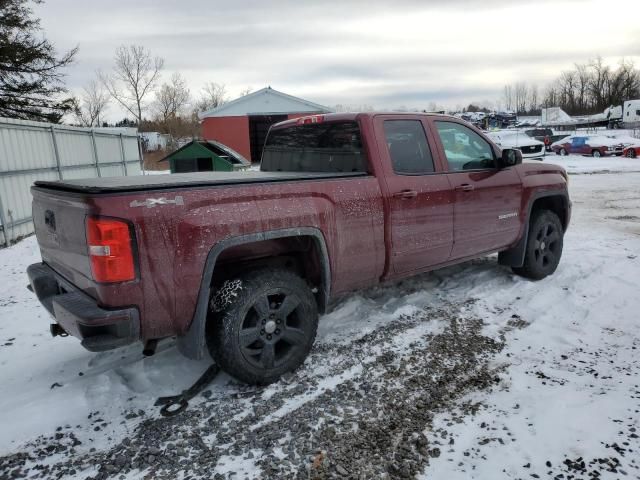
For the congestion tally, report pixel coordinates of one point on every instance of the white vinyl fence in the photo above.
(31, 151)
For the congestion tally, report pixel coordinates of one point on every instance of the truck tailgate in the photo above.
(59, 222)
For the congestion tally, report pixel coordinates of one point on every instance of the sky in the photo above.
(383, 54)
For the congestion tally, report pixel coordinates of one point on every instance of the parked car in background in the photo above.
(530, 147)
(545, 135)
(596, 146)
(631, 151)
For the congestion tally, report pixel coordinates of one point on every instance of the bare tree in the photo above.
(172, 98)
(508, 97)
(582, 86)
(134, 77)
(520, 97)
(624, 83)
(246, 91)
(598, 83)
(91, 104)
(594, 86)
(532, 98)
(550, 97)
(213, 95)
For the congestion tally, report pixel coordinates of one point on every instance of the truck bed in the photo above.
(184, 180)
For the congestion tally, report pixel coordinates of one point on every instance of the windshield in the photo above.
(316, 147)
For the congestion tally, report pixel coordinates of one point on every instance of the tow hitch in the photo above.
(56, 330)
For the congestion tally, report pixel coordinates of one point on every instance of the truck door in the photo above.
(487, 199)
(419, 200)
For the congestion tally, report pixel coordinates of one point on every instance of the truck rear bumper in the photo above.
(78, 314)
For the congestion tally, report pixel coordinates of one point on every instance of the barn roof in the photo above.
(266, 101)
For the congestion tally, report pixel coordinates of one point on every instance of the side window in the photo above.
(408, 147)
(464, 148)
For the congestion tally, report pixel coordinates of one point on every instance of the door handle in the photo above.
(465, 187)
(406, 194)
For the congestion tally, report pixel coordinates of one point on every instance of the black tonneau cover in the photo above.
(183, 180)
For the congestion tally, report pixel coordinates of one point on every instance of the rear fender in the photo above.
(192, 344)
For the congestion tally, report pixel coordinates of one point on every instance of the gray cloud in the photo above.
(375, 52)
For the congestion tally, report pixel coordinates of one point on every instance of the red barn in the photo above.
(243, 123)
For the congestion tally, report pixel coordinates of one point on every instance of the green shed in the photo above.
(205, 156)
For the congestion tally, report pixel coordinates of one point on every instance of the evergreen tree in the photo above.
(31, 78)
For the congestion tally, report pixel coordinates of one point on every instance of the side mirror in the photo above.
(510, 157)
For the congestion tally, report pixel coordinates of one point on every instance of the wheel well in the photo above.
(300, 254)
(555, 203)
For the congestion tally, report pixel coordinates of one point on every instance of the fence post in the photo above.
(3, 220)
(55, 151)
(124, 159)
(140, 154)
(95, 152)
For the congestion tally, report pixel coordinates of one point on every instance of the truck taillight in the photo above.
(110, 250)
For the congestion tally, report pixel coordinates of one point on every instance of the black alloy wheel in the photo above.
(266, 328)
(544, 246)
(271, 331)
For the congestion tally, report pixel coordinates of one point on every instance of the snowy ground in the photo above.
(467, 372)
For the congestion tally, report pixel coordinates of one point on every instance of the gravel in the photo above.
(361, 409)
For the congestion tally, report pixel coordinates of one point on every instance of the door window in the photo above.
(464, 148)
(408, 147)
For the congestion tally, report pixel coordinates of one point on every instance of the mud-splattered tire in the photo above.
(544, 246)
(266, 327)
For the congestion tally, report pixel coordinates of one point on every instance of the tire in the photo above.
(631, 153)
(266, 328)
(544, 246)
(596, 153)
(563, 152)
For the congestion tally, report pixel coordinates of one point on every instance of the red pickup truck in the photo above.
(241, 263)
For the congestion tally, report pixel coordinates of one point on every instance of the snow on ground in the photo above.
(53, 383)
(568, 389)
(572, 389)
(576, 164)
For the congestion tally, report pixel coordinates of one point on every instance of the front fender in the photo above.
(514, 256)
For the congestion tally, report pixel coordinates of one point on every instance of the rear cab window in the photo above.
(315, 147)
(408, 148)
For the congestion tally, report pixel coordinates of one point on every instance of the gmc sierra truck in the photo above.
(241, 263)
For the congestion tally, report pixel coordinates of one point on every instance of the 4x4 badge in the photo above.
(152, 202)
